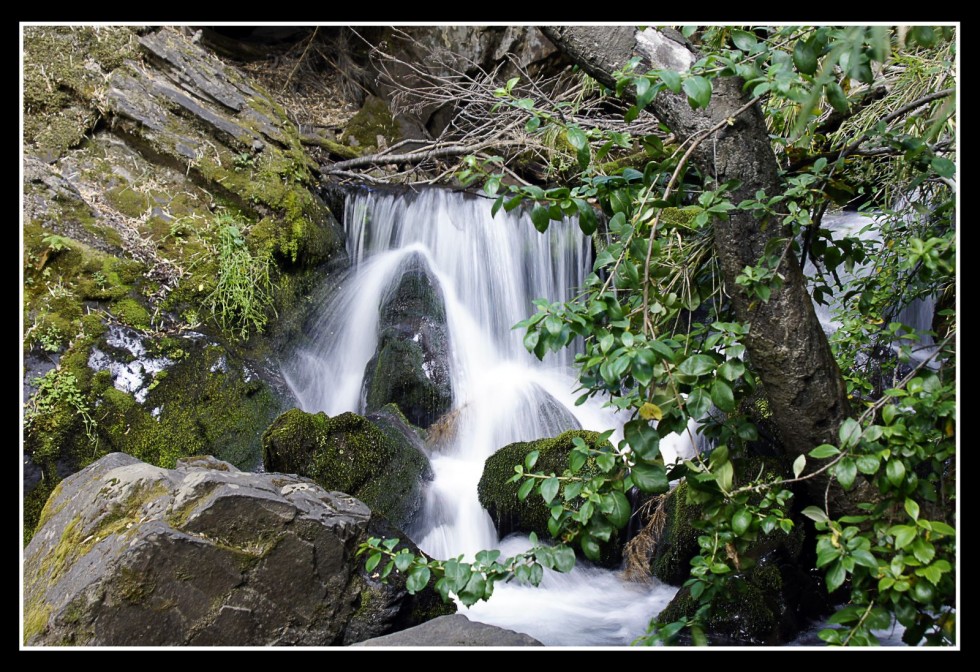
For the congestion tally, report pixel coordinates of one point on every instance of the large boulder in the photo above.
(455, 630)
(411, 366)
(376, 461)
(511, 514)
(204, 554)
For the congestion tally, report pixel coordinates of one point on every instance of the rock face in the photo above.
(509, 513)
(455, 630)
(204, 554)
(142, 151)
(375, 459)
(411, 366)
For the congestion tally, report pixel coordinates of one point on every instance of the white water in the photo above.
(489, 270)
(917, 315)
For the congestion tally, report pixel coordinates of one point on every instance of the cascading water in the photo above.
(489, 270)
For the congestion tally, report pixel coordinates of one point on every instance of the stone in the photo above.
(204, 554)
(411, 365)
(455, 630)
(377, 462)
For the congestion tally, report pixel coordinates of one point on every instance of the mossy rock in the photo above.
(509, 513)
(374, 462)
(373, 119)
(774, 594)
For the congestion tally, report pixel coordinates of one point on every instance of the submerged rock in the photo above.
(204, 554)
(411, 366)
(376, 461)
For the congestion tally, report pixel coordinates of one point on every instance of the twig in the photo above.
(300, 61)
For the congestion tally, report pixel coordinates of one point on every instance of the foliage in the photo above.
(56, 390)
(663, 346)
(243, 295)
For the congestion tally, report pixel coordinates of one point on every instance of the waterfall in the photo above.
(489, 270)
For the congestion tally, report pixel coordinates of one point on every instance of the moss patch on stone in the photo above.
(351, 454)
(373, 119)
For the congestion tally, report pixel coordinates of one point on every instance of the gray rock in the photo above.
(455, 630)
(411, 366)
(204, 554)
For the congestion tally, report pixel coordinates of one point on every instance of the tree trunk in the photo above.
(786, 343)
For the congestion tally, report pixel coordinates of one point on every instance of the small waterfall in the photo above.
(489, 271)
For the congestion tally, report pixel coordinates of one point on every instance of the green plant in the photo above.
(675, 330)
(57, 390)
(243, 295)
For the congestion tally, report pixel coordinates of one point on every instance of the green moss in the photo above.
(333, 147)
(36, 618)
(133, 586)
(743, 615)
(351, 454)
(373, 119)
(128, 201)
(60, 82)
(131, 313)
(678, 543)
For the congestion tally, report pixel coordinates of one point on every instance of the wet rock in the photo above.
(411, 366)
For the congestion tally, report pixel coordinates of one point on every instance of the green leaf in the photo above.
(549, 488)
(474, 590)
(933, 573)
(912, 508)
(587, 221)
(815, 513)
(731, 370)
(698, 403)
(390, 543)
(372, 562)
(564, 558)
(698, 90)
(744, 40)
(590, 547)
(823, 451)
(642, 438)
(836, 98)
(943, 166)
(525, 489)
(532, 124)
(721, 395)
(671, 79)
(864, 558)
(697, 365)
(904, 534)
(576, 460)
(741, 522)
(725, 473)
(835, 576)
(403, 561)
(650, 478)
(923, 551)
(804, 58)
(496, 206)
(418, 579)
(849, 433)
(942, 528)
(868, 464)
(540, 218)
(846, 471)
(895, 471)
(576, 137)
(531, 459)
(799, 464)
(617, 508)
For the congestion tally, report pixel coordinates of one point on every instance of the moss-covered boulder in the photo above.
(770, 599)
(372, 126)
(376, 463)
(411, 366)
(509, 513)
(204, 554)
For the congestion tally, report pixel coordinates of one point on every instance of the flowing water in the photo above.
(489, 270)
